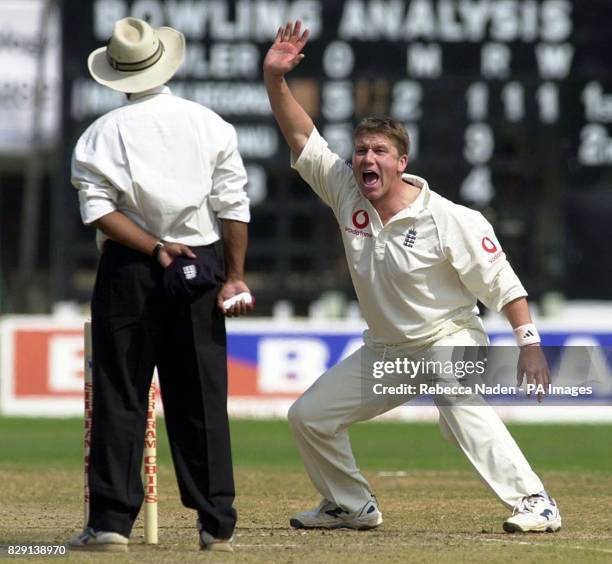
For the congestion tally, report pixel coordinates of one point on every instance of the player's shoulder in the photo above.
(318, 153)
(345, 167)
(346, 184)
(450, 216)
(450, 210)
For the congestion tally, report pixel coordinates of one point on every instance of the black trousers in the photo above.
(134, 329)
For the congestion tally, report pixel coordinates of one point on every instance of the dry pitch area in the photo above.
(430, 516)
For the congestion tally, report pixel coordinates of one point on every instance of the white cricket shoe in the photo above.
(208, 542)
(331, 516)
(534, 513)
(105, 541)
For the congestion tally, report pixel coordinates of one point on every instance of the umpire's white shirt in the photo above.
(170, 165)
(417, 277)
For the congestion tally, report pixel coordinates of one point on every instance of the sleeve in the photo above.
(97, 195)
(323, 170)
(228, 197)
(472, 248)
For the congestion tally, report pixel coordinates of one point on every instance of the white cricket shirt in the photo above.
(170, 165)
(417, 278)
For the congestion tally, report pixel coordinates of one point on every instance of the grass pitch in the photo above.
(435, 508)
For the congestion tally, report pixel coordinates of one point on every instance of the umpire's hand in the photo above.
(171, 250)
(231, 288)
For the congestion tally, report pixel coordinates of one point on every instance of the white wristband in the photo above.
(526, 335)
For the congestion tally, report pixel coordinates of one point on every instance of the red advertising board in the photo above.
(269, 364)
(41, 366)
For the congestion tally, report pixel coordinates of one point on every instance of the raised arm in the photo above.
(282, 57)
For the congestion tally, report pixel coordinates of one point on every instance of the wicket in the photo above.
(150, 448)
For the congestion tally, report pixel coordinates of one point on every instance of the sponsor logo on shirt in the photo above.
(488, 245)
(357, 232)
(361, 220)
(496, 256)
(410, 238)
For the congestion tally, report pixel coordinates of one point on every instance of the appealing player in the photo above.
(418, 263)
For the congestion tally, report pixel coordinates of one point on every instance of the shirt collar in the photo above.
(163, 89)
(412, 211)
(422, 199)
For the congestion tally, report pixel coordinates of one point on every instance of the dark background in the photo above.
(551, 210)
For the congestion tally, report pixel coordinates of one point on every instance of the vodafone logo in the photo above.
(488, 245)
(361, 219)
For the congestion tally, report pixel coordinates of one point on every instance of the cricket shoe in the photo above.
(104, 541)
(208, 542)
(534, 513)
(331, 516)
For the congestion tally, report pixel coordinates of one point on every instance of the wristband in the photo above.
(157, 249)
(526, 335)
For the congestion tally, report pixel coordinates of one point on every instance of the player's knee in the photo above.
(302, 414)
(296, 414)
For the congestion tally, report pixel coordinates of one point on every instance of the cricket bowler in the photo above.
(418, 263)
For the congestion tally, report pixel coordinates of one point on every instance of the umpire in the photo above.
(162, 181)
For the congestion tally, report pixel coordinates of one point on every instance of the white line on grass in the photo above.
(241, 545)
(606, 550)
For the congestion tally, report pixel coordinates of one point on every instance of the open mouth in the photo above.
(369, 178)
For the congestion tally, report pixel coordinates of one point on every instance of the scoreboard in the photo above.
(508, 104)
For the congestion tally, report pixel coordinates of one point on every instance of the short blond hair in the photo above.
(388, 127)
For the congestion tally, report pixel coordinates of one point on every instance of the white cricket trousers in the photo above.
(320, 419)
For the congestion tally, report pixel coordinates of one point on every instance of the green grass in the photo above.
(437, 511)
(26, 442)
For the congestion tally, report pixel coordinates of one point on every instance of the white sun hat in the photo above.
(137, 57)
